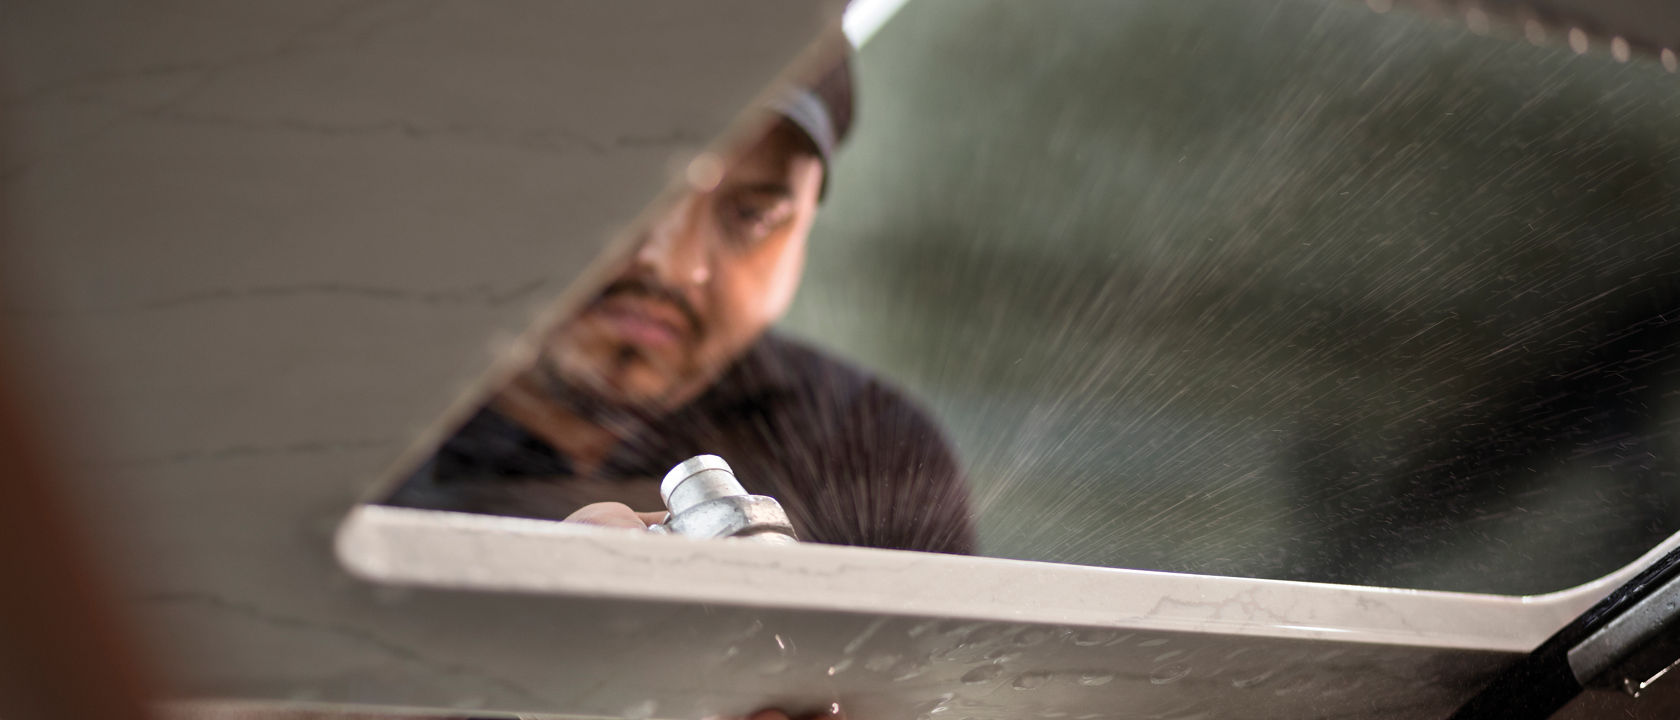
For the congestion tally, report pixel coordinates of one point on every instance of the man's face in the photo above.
(707, 279)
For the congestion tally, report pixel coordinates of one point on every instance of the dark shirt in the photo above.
(852, 460)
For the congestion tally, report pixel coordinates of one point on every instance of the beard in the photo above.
(590, 368)
(587, 394)
(611, 384)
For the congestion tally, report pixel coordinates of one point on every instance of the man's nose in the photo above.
(675, 250)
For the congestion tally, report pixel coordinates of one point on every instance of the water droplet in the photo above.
(748, 632)
(958, 653)
(1048, 714)
(1096, 679)
(910, 669)
(1578, 41)
(1168, 655)
(1091, 638)
(1153, 642)
(1031, 637)
(784, 656)
(863, 637)
(1169, 674)
(704, 172)
(982, 674)
(728, 654)
(922, 629)
(1003, 655)
(840, 667)
(881, 663)
(640, 711)
(1030, 680)
(1253, 680)
(987, 635)
(936, 707)
(957, 630)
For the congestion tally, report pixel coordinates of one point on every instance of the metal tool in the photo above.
(705, 500)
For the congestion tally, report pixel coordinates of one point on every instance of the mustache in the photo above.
(650, 289)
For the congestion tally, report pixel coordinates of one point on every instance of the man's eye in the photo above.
(749, 221)
(749, 214)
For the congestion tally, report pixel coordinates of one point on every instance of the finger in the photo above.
(607, 514)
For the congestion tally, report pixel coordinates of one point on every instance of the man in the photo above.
(673, 359)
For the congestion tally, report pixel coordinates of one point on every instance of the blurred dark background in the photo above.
(1287, 289)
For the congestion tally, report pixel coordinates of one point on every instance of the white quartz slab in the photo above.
(1097, 638)
(519, 555)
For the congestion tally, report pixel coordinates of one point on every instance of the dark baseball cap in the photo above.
(820, 103)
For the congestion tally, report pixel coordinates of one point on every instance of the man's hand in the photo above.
(615, 514)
